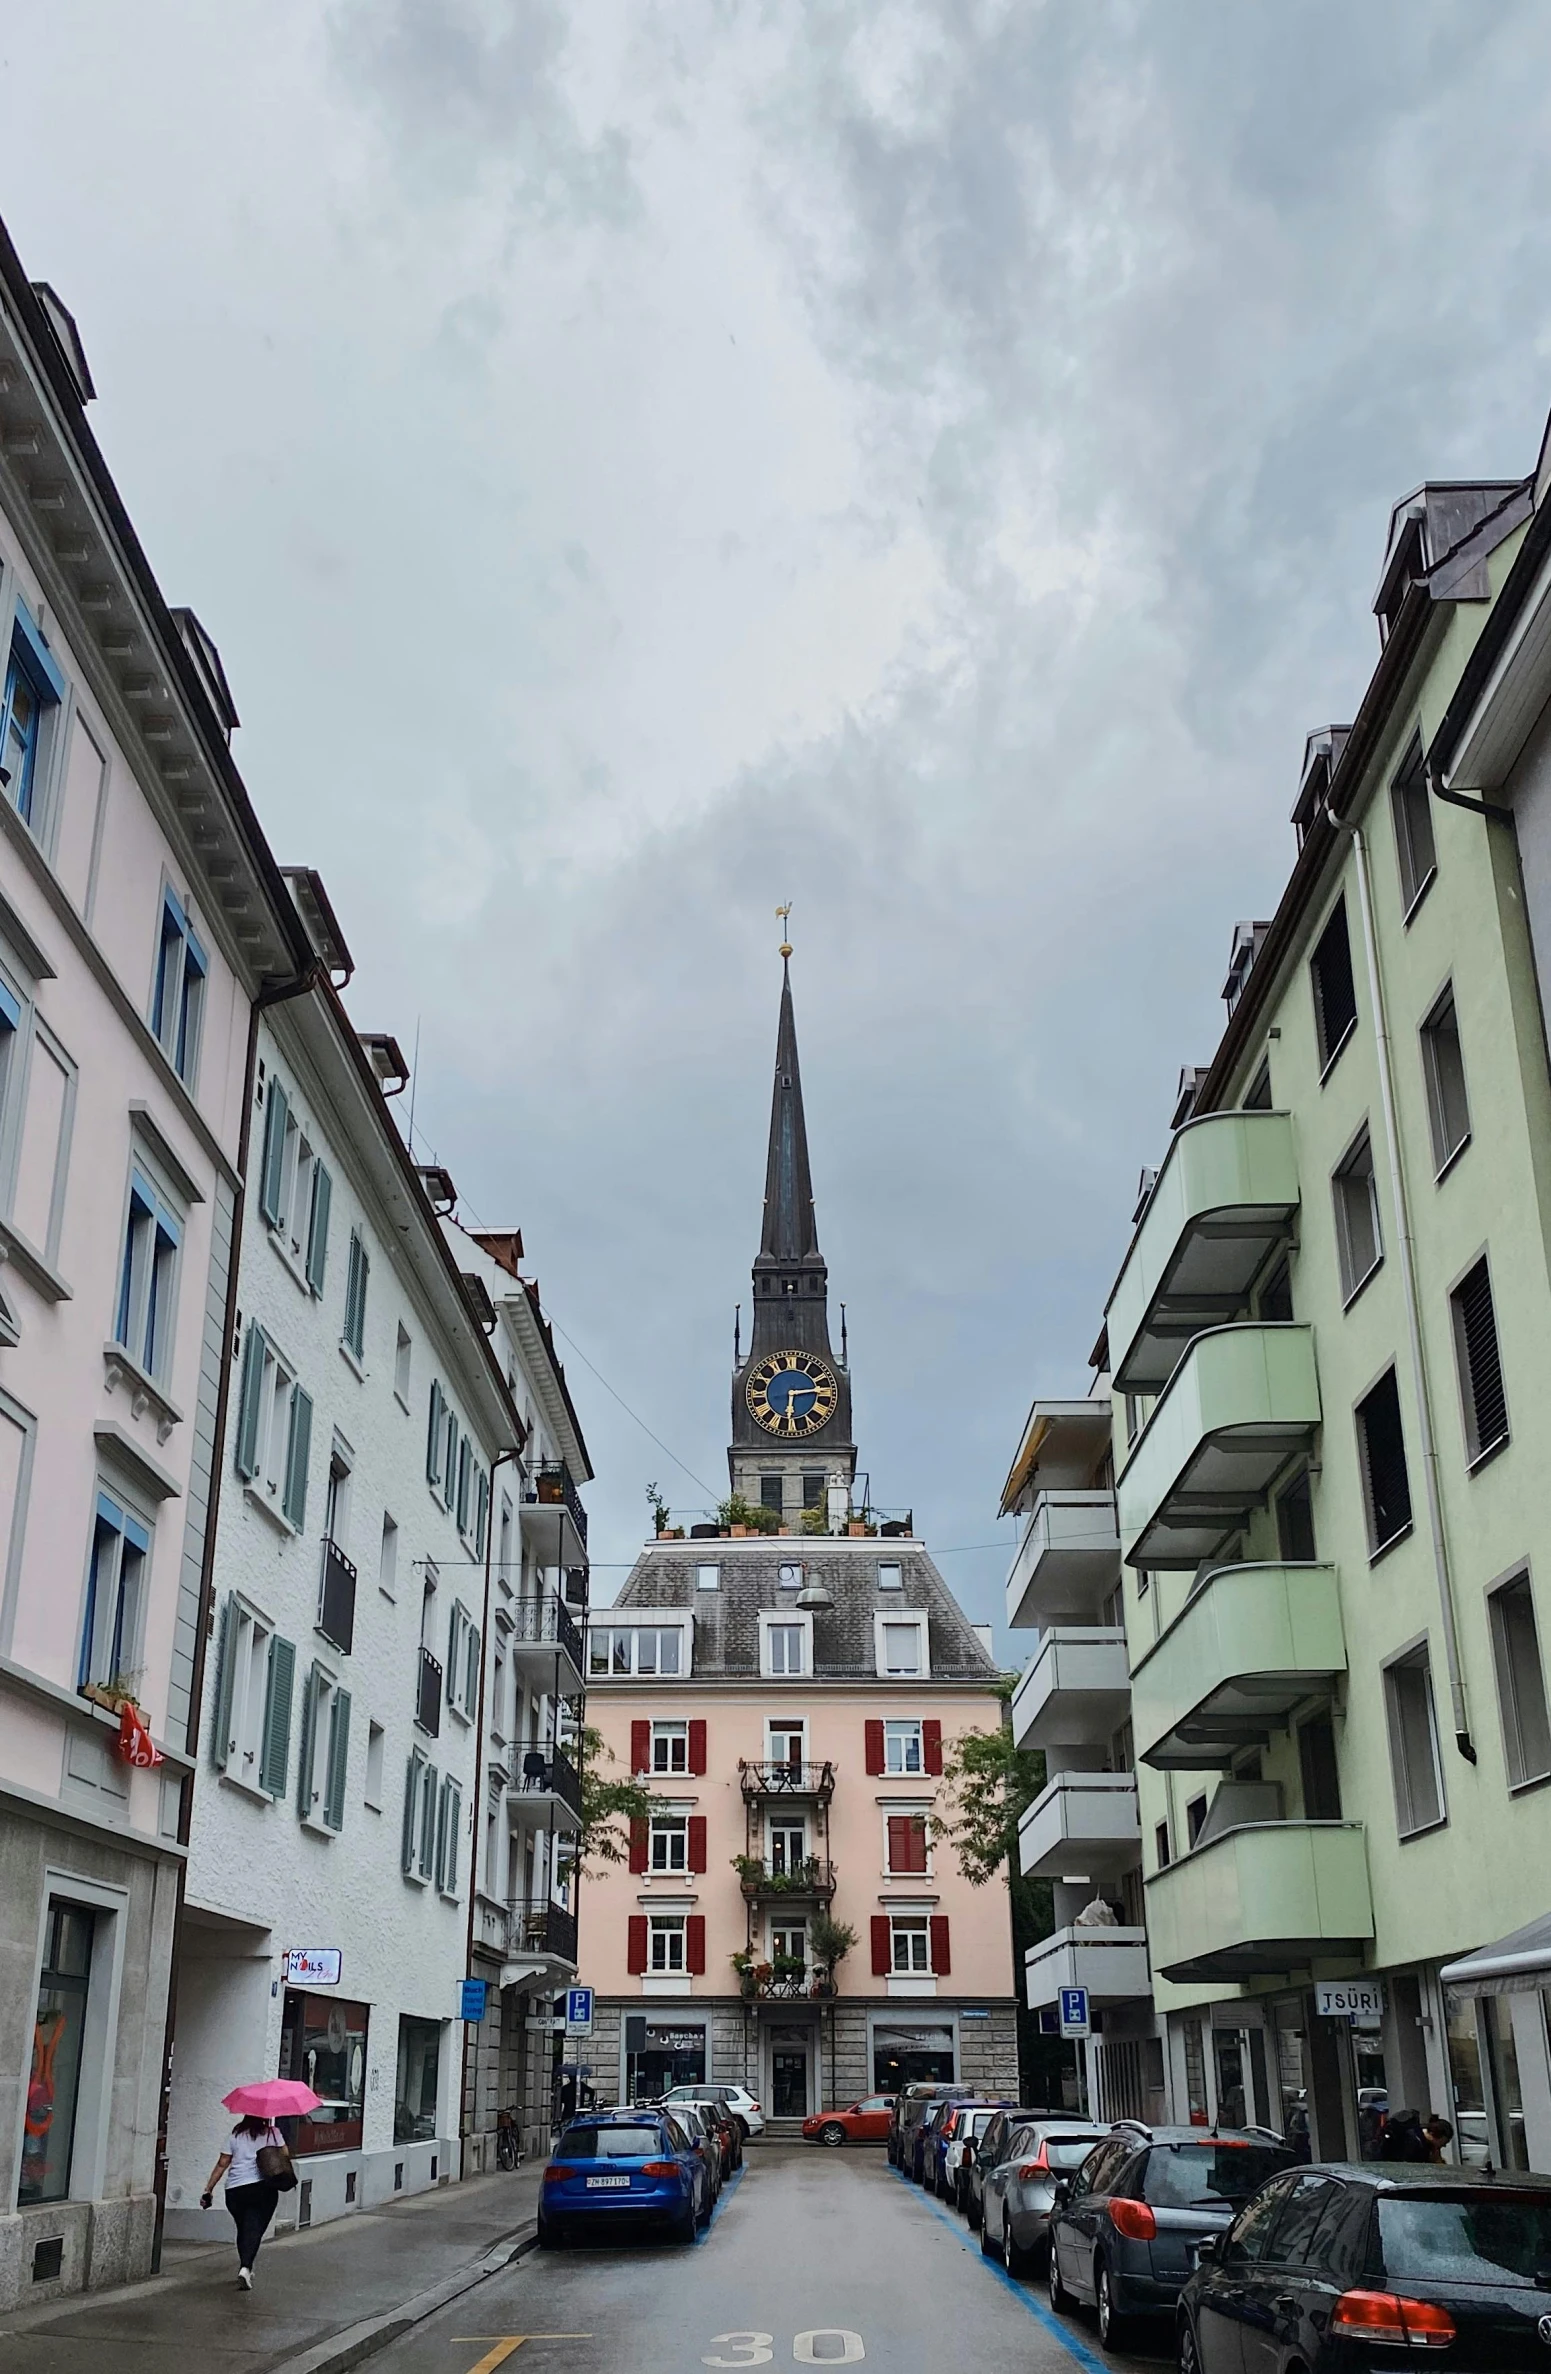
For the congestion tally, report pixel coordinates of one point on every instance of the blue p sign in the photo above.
(1074, 2011)
(578, 2010)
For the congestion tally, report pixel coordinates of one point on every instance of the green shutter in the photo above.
(428, 1821)
(339, 1761)
(306, 1783)
(455, 1622)
(482, 1515)
(277, 1109)
(471, 1671)
(433, 1440)
(318, 1227)
(447, 1844)
(407, 1839)
(276, 1752)
(221, 1741)
(250, 1403)
(363, 1273)
(298, 1452)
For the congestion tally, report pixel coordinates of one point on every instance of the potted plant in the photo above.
(815, 1520)
(831, 1941)
(660, 1510)
(750, 1871)
(785, 1968)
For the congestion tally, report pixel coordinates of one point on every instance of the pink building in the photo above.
(791, 1694)
(140, 912)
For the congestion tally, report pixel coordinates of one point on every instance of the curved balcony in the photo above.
(1110, 1963)
(1226, 1196)
(1261, 1898)
(1076, 1692)
(1238, 1406)
(1068, 1561)
(1083, 1822)
(545, 1644)
(1247, 1646)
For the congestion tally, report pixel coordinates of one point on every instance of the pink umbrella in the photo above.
(272, 2097)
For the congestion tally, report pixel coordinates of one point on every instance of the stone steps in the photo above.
(783, 2130)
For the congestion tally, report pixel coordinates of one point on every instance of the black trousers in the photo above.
(252, 2206)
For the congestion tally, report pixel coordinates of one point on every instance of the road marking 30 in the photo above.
(755, 2348)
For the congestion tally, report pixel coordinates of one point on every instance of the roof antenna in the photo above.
(842, 1335)
(737, 1335)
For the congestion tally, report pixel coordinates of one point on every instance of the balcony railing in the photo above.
(550, 1770)
(787, 1780)
(545, 1623)
(1242, 1401)
(552, 1488)
(336, 1598)
(815, 1876)
(540, 1927)
(428, 1698)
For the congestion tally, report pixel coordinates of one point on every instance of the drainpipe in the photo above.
(511, 1452)
(1419, 1378)
(273, 993)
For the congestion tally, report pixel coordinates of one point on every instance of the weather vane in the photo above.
(782, 913)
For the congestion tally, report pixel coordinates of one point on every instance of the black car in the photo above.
(911, 2105)
(1124, 2229)
(1326, 2263)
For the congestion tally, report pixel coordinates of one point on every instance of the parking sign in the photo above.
(578, 2011)
(1074, 2011)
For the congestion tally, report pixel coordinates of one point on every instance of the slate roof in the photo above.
(727, 1620)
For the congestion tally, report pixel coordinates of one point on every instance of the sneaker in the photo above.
(245, 2278)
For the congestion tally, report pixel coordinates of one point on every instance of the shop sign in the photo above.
(471, 2000)
(314, 1965)
(1349, 1998)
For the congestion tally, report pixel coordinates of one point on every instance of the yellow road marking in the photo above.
(506, 2343)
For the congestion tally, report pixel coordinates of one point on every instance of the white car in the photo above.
(739, 2101)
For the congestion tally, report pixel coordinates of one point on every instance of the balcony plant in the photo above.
(785, 1969)
(737, 1515)
(750, 1870)
(815, 1520)
(752, 1975)
(831, 1941)
(660, 1510)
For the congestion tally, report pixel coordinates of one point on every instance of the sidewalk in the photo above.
(322, 2300)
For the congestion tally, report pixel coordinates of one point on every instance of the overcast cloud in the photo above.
(647, 460)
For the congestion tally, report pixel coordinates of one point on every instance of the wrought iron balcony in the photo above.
(548, 1771)
(552, 1488)
(787, 1780)
(428, 1698)
(813, 1877)
(547, 1623)
(336, 1598)
(537, 1926)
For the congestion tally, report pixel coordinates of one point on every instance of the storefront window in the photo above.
(659, 2056)
(48, 2131)
(1195, 2072)
(911, 2056)
(1505, 2080)
(323, 2042)
(1470, 2133)
(414, 2088)
(1292, 2080)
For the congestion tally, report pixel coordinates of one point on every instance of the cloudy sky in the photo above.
(647, 460)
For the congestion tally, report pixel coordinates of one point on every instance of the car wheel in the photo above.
(550, 2237)
(704, 2219)
(1185, 2348)
(1113, 2327)
(685, 2226)
(1013, 2258)
(833, 2134)
(1060, 2297)
(742, 2124)
(974, 2213)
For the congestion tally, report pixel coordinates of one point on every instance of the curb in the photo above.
(359, 2342)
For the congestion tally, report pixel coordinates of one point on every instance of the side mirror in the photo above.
(1207, 2248)
(854, 2110)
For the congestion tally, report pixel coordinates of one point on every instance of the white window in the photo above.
(322, 1768)
(1521, 1683)
(785, 1644)
(669, 1843)
(665, 1942)
(789, 1948)
(178, 988)
(902, 1747)
(116, 1579)
(417, 1852)
(788, 1845)
(274, 1428)
(1413, 1742)
(255, 1674)
(910, 1939)
(401, 1360)
(708, 1578)
(1359, 1239)
(449, 1834)
(788, 1739)
(148, 1276)
(670, 1747)
(891, 1577)
(900, 1644)
(621, 1650)
(462, 1662)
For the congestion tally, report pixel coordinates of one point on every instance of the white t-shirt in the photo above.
(245, 2150)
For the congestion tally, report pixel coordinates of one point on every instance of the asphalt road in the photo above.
(813, 2258)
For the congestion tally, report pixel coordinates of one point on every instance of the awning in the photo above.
(1515, 1965)
(924, 2039)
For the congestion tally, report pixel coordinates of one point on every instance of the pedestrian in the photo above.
(1439, 2135)
(250, 2194)
(1403, 2138)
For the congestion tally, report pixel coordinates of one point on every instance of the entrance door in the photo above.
(789, 2080)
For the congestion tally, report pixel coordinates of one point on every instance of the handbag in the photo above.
(274, 2166)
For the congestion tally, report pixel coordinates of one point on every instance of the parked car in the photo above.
(1123, 2230)
(1327, 2262)
(920, 2143)
(615, 2170)
(1018, 2188)
(989, 2148)
(714, 2099)
(865, 2122)
(747, 2112)
(945, 2138)
(911, 2105)
(699, 2122)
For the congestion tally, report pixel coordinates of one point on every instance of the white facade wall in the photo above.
(262, 1878)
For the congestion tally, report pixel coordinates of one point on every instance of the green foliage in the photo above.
(830, 1940)
(608, 1806)
(735, 1510)
(815, 1520)
(988, 1786)
(659, 1508)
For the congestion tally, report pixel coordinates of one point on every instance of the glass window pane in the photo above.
(48, 2129)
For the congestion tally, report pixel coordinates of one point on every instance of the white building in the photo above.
(333, 1810)
(524, 1935)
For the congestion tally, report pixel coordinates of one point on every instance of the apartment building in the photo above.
(1326, 1345)
(524, 1934)
(141, 918)
(325, 1925)
(790, 1690)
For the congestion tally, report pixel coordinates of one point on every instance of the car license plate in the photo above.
(608, 2184)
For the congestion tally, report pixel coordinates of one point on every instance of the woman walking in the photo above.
(250, 2196)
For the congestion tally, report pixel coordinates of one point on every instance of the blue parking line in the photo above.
(1041, 2315)
(730, 2186)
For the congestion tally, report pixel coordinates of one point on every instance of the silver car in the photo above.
(1019, 2188)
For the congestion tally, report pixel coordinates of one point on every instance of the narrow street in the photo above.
(813, 2258)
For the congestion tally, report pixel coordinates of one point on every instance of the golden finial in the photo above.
(782, 913)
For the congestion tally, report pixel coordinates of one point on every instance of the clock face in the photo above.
(792, 1394)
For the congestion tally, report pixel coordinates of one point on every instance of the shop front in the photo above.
(1497, 2016)
(662, 2053)
(323, 2042)
(920, 2052)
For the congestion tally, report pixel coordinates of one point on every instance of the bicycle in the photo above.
(508, 2140)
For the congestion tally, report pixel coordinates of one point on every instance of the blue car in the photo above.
(616, 2171)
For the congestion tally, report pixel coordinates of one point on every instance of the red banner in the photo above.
(135, 1743)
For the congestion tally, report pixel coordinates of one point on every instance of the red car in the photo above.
(864, 2122)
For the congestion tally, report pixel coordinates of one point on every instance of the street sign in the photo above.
(578, 2011)
(1074, 2011)
(314, 1965)
(1349, 1998)
(472, 1999)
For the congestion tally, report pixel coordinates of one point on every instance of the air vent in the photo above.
(48, 2259)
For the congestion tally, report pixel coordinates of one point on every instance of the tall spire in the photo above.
(790, 1232)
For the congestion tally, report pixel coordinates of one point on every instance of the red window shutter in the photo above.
(931, 1745)
(694, 1944)
(882, 1945)
(697, 1853)
(639, 1841)
(907, 1843)
(697, 1758)
(942, 1961)
(874, 1733)
(640, 1747)
(636, 1957)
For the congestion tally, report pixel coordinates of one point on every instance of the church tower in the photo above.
(791, 1447)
